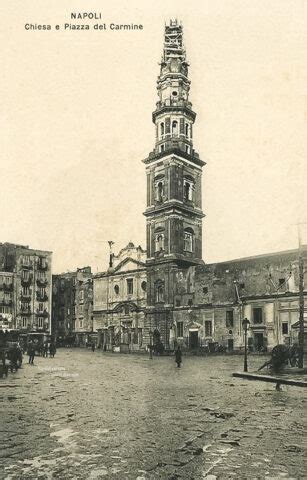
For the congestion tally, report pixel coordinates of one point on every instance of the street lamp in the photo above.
(245, 325)
(150, 344)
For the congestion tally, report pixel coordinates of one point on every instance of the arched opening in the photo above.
(162, 128)
(159, 291)
(188, 240)
(160, 192)
(188, 189)
(187, 129)
(159, 242)
(174, 127)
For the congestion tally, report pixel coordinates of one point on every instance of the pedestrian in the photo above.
(45, 351)
(93, 347)
(52, 350)
(178, 356)
(31, 352)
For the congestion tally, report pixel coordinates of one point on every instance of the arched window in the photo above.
(188, 240)
(116, 289)
(159, 242)
(174, 127)
(144, 286)
(159, 291)
(162, 128)
(187, 129)
(160, 192)
(159, 189)
(188, 189)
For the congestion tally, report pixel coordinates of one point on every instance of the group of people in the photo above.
(47, 347)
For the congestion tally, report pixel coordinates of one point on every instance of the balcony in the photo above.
(41, 297)
(25, 311)
(42, 266)
(42, 313)
(26, 297)
(6, 303)
(26, 282)
(26, 265)
(41, 283)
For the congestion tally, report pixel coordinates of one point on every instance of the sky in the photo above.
(75, 118)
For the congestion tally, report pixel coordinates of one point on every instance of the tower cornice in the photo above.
(173, 109)
(179, 154)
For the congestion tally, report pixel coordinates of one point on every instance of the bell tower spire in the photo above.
(174, 211)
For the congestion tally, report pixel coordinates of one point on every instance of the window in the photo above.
(144, 286)
(180, 329)
(41, 307)
(81, 323)
(257, 315)
(174, 127)
(281, 282)
(26, 260)
(187, 149)
(208, 328)
(159, 288)
(187, 129)
(188, 190)
(229, 318)
(190, 302)
(159, 242)
(81, 295)
(25, 275)
(285, 328)
(81, 309)
(162, 128)
(162, 148)
(40, 322)
(129, 286)
(26, 291)
(24, 322)
(188, 240)
(116, 289)
(159, 188)
(177, 303)
(205, 290)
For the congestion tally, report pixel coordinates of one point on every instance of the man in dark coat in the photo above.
(178, 356)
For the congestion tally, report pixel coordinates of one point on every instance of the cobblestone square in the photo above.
(102, 415)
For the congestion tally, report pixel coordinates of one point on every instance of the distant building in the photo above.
(25, 289)
(120, 301)
(72, 301)
(7, 303)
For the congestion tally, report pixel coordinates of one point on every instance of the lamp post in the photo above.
(150, 344)
(245, 325)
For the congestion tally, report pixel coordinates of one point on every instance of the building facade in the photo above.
(26, 288)
(212, 300)
(120, 301)
(72, 302)
(7, 303)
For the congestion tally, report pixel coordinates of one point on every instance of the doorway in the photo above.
(230, 345)
(193, 339)
(259, 341)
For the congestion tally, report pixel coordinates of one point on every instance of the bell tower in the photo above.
(174, 212)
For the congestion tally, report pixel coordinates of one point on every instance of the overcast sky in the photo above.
(76, 123)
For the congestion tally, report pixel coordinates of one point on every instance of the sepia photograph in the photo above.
(153, 240)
